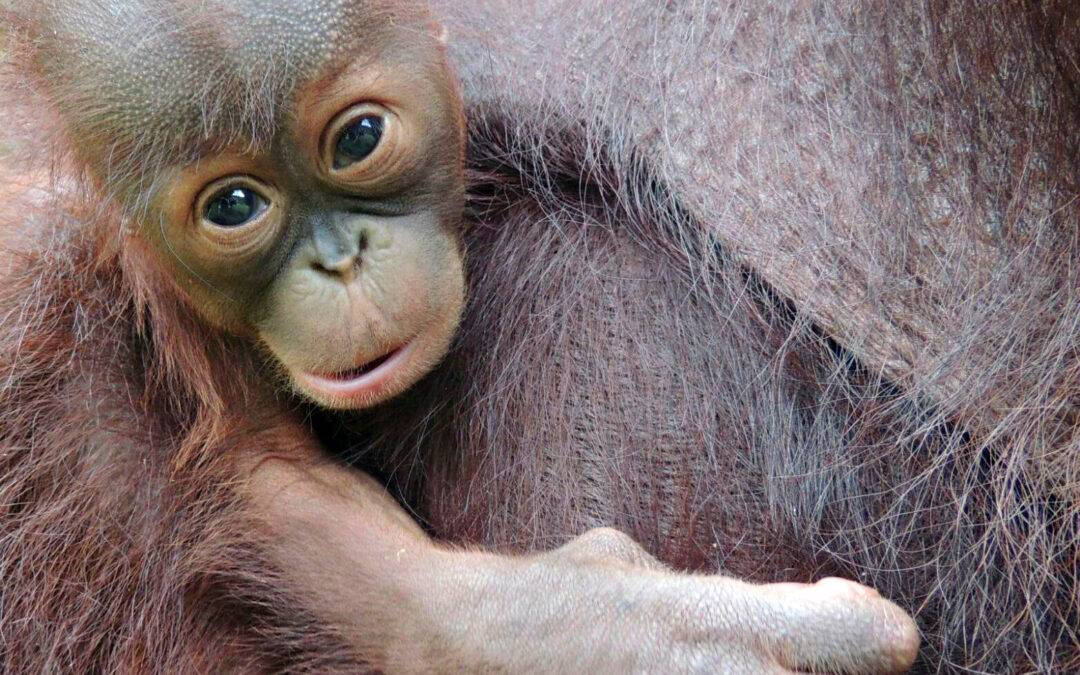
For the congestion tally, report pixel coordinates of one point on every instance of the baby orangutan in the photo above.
(290, 175)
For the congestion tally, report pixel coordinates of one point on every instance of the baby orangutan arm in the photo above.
(599, 603)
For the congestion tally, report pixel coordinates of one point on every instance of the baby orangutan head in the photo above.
(298, 176)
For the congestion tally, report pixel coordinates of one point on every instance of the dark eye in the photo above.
(358, 140)
(234, 206)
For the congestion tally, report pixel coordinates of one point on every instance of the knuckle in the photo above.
(605, 544)
(609, 537)
(845, 588)
(609, 543)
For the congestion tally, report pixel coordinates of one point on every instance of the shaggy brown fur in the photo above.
(779, 289)
(124, 545)
(119, 529)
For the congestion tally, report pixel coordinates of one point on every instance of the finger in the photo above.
(837, 625)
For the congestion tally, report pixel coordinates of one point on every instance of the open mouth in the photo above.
(358, 386)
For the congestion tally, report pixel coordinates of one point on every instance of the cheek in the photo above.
(221, 288)
(160, 266)
(414, 278)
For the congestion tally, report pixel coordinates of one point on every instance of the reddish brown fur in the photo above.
(122, 541)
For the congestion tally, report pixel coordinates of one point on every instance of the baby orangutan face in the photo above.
(332, 242)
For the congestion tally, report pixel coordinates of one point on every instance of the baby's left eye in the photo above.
(358, 140)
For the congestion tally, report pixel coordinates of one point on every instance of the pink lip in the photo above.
(366, 385)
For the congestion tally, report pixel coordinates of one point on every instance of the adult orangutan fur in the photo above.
(811, 267)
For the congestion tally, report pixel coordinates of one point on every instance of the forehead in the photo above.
(185, 73)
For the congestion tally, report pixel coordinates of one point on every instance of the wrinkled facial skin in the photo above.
(332, 241)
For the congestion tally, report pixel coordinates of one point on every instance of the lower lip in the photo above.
(368, 386)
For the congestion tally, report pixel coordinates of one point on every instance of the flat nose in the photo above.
(339, 249)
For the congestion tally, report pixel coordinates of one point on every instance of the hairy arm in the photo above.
(598, 603)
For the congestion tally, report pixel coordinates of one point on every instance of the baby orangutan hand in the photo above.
(600, 603)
